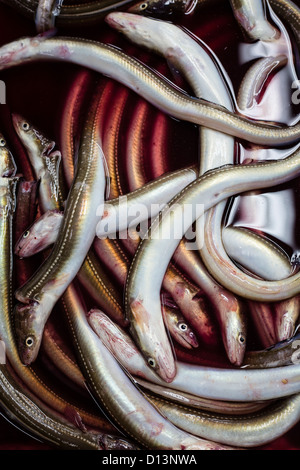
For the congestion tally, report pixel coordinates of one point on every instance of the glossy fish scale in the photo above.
(81, 207)
(119, 66)
(237, 430)
(22, 405)
(215, 149)
(70, 14)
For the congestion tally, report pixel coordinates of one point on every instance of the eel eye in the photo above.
(151, 362)
(183, 326)
(29, 342)
(241, 339)
(144, 6)
(2, 143)
(26, 234)
(25, 126)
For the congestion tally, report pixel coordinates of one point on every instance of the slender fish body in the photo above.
(286, 9)
(92, 274)
(24, 411)
(142, 204)
(226, 306)
(45, 162)
(46, 13)
(177, 286)
(112, 62)
(216, 149)
(106, 329)
(268, 259)
(39, 295)
(20, 402)
(141, 121)
(33, 382)
(262, 316)
(51, 200)
(279, 354)
(70, 122)
(27, 196)
(265, 259)
(247, 431)
(255, 79)
(92, 12)
(251, 16)
(44, 232)
(75, 14)
(232, 385)
(116, 392)
(256, 254)
(200, 403)
(41, 234)
(286, 317)
(157, 248)
(114, 407)
(115, 97)
(179, 328)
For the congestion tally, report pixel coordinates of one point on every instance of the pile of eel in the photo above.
(179, 296)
